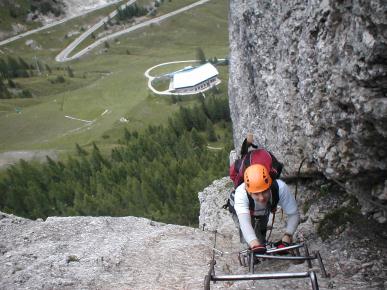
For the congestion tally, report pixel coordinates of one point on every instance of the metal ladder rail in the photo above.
(265, 276)
(316, 256)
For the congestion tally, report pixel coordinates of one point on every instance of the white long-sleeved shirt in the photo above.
(286, 201)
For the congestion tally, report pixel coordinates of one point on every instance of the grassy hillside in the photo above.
(15, 13)
(116, 24)
(108, 84)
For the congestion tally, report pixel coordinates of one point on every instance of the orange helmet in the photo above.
(257, 178)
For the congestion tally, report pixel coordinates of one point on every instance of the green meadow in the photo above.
(109, 88)
(164, 8)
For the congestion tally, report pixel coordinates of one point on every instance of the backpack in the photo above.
(237, 169)
(258, 156)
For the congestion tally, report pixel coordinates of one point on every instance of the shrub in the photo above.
(26, 94)
(70, 72)
(72, 258)
(11, 84)
(58, 80)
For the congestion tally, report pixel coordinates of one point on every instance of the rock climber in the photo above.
(254, 199)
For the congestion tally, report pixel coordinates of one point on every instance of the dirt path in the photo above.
(11, 157)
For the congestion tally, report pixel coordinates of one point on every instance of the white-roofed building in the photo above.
(194, 80)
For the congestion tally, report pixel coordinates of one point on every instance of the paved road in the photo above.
(24, 34)
(64, 55)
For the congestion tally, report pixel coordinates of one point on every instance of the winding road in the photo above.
(63, 56)
(24, 34)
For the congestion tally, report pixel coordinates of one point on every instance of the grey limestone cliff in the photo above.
(354, 254)
(100, 253)
(137, 253)
(309, 79)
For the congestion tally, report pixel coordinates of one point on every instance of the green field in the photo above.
(164, 8)
(108, 85)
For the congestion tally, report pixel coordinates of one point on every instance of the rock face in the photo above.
(136, 253)
(74, 7)
(354, 253)
(101, 253)
(309, 79)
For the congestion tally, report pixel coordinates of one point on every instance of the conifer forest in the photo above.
(155, 174)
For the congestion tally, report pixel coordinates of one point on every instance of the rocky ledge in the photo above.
(353, 248)
(100, 253)
(137, 253)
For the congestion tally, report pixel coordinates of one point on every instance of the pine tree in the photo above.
(23, 64)
(198, 118)
(211, 135)
(3, 69)
(11, 83)
(186, 118)
(157, 175)
(97, 160)
(48, 69)
(40, 67)
(4, 93)
(25, 94)
(176, 125)
(120, 13)
(200, 55)
(70, 72)
(127, 135)
(80, 150)
(197, 141)
(116, 155)
(13, 67)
